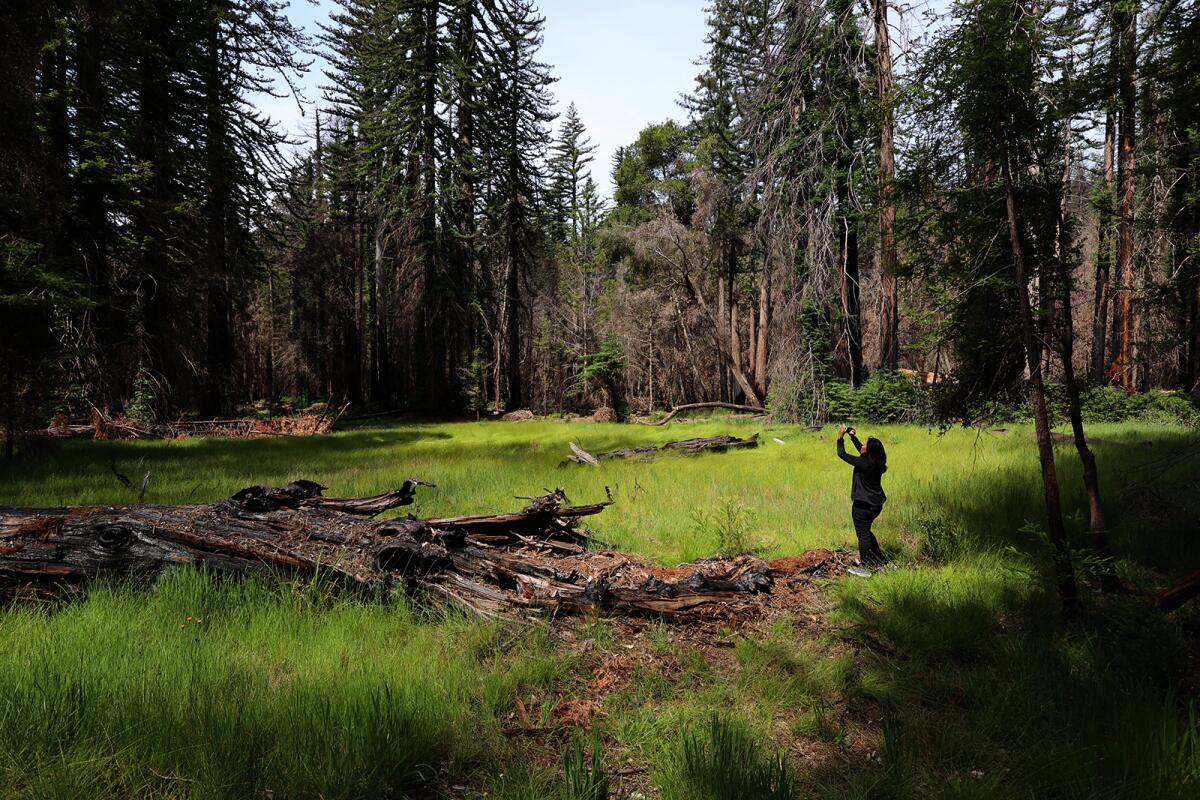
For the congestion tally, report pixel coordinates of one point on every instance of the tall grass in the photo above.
(723, 760)
(985, 484)
(990, 696)
(214, 688)
(210, 688)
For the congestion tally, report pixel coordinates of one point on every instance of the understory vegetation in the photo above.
(949, 674)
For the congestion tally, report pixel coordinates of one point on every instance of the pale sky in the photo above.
(624, 63)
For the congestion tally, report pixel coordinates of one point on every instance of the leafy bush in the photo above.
(1173, 407)
(887, 397)
(1110, 404)
(723, 761)
(839, 400)
(141, 406)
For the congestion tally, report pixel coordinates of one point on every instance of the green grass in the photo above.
(949, 675)
(215, 688)
(983, 483)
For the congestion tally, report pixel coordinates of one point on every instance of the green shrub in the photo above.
(1107, 404)
(724, 761)
(887, 397)
(1172, 408)
(839, 400)
(141, 406)
(1110, 404)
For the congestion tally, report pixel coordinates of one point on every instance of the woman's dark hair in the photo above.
(876, 453)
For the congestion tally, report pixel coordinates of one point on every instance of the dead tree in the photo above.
(492, 564)
(710, 444)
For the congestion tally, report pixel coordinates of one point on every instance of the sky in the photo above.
(624, 63)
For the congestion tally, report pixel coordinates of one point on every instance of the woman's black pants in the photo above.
(868, 547)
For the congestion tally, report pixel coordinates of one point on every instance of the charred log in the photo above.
(493, 564)
(712, 444)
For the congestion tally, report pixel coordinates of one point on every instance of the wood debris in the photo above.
(712, 444)
(533, 560)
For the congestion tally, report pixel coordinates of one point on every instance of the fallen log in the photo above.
(1176, 596)
(712, 444)
(491, 564)
(715, 444)
(756, 410)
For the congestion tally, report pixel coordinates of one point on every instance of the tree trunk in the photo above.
(10, 410)
(1192, 376)
(762, 351)
(723, 345)
(1055, 529)
(1122, 370)
(93, 189)
(217, 398)
(889, 326)
(726, 387)
(1103, 255)
(1176, 596)
(512, 327)
(850, 293)
(1097, 524)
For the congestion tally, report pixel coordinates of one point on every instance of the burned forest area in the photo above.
(580, 400)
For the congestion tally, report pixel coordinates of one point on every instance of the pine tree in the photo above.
(518, 105)
(567, 172)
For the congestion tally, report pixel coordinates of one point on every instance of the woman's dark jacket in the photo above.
(866, 488)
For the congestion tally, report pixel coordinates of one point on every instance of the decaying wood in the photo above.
(711, 444)
(756, 410)
(492, 564)
(104, 426)
(714, 444)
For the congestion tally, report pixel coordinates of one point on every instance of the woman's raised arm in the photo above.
(852, 460)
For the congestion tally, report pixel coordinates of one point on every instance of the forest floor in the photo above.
(948, 674)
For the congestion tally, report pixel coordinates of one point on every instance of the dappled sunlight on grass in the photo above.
(947, 674)
(984, 482)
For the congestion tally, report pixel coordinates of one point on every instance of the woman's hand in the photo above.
(852, 431)
(842, 430)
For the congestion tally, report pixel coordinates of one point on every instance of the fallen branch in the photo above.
(756, 410)
(1175, 596)
(491, 564)
(713, 444)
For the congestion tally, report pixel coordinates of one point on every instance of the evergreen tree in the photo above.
(518, 105)
(567, 172)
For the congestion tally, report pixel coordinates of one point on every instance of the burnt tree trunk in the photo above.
(889, 332)
(1104, 251)
(850, 287)
(1122, 370)
(491, 564)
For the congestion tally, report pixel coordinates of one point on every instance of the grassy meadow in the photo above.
(950, 674)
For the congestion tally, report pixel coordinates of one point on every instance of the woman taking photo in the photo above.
(866, 492)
